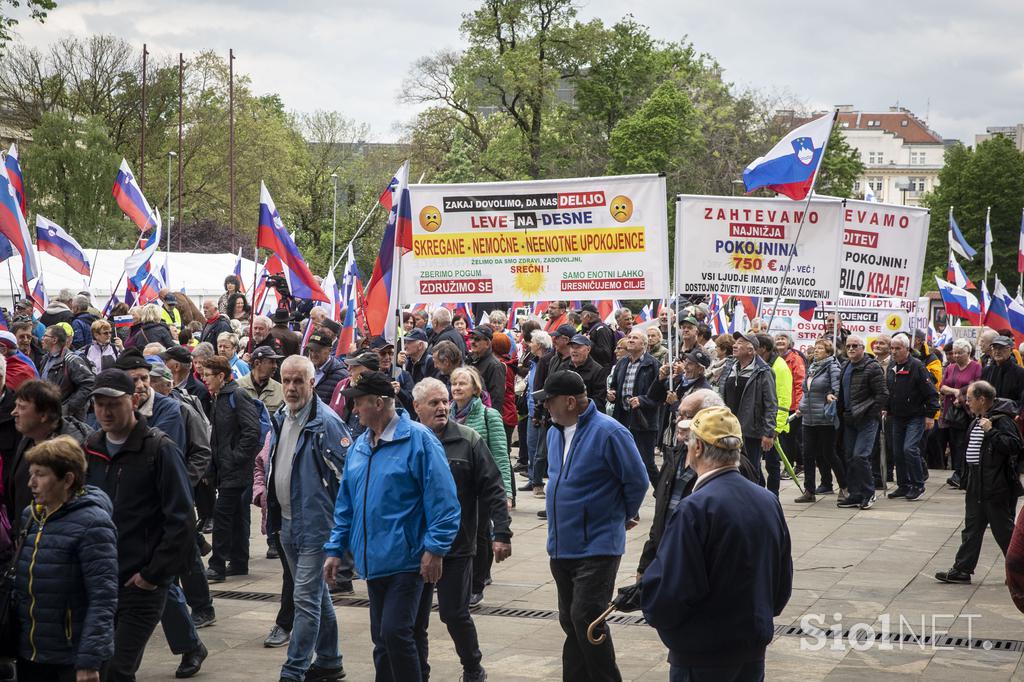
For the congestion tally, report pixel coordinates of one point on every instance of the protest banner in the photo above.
(862, 316)
(883, 249)
(741, 245)
(583, 238)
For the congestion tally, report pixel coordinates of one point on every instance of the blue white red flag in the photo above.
(15, 229)
(465, 312)
(986, 300)
(1020, 246)
(539, 308)
(988, 240)
(237, 271)
(807, 309)
(349, 295)
(39, 298)
(51, 238)
(129, 197)
(1012, 312)
(382, 296)
(646, 314)
(956, 275)
(273, 236)
(716, 309)
(959, 302)
(17, 179)
(789, 167)
(751, 306)
(956, 239)
(332, 307)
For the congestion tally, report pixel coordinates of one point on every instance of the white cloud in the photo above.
(958, 63)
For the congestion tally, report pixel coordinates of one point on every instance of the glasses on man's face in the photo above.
(854, 345)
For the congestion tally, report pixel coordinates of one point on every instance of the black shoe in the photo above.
(867, 502)
(542, 514)
(823, 490)
(342, 587)
(478, 675)
(192, 662)
(237, 571)
(214, 576)
(476, 598)
(204, 546)
(899, 492)
(318, 674)
(202, 618)
(278, 637)
(525, 488)
(850, 502)
(954, 481)
(208, 526)
(521, 468)
(915, 494)
(272, 553)
(953, 576)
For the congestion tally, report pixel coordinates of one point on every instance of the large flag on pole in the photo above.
(51, 238)
(273, 236)
(996, 314)
(1020, 246)
(956, 275)
(959, 302)
(790, 166)
(956, 239)
(988, 241)
(14, 228)
(382, 291)
(129, 197)
(13, 165)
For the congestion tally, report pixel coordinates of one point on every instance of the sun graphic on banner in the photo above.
(530, 283)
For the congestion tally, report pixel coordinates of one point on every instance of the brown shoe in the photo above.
(538, 491)
(807, 497)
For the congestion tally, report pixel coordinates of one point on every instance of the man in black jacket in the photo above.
(491, 369)
(595, 375)
(912, 402)
(601, 336)
(993, 451)
(142, 471)
(442, 330)
(863, 395)
(414, 356)
(478, 485)
(329, 370)
(631, 382)
(1003, 372)
(216, 324)
(67, 371)
(235, 440)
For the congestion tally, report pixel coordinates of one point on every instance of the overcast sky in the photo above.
(957, 64)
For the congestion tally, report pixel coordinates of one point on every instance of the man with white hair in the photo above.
(863, 395)
(719, 580)
(631, 382)
(441, 323)
(303, 474)
(913, 401)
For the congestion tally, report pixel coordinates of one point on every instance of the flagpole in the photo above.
(10, 277)
(255, 274)
(803, 219)
(92, 270)
(397, 284)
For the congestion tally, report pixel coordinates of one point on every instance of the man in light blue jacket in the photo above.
(398, 513)
(596, 482)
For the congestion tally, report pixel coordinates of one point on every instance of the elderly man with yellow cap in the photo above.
(724, 568)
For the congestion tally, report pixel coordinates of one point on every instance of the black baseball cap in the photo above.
(322, 339)
(1004, 341)
(179, 353)
(561, 383)
(416, 334)
(566, 330)
(380, 343)
(588, 308)
(131, 359)
(331, 326)
(170, 298)
(114, 383)
(368, 360)
(580, 340)
(483, 331)
(699, 356)
(265, 353)
(371, 383)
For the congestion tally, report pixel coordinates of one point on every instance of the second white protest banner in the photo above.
(740, 246)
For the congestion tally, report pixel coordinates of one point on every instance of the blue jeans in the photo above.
(394, 605)
(533, 434)
(773, 463)
(177, 623)
(858, 442)
(315, 627)
(906, 450)
(751, 671)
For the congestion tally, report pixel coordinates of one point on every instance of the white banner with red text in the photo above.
(866, 317)
(583, 238)
(883, 249)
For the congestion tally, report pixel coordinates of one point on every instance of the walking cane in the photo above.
(789, 467)
(881, 458)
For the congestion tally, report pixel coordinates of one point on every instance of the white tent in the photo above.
(201, 275)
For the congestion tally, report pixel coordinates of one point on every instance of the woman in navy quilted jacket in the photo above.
(66, 583)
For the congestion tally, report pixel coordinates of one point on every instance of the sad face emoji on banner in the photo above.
(621, 208)
(430, 218)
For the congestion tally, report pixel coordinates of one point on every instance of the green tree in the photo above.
(972, 181)
(840, 168)
(659, 135)
(37, 11)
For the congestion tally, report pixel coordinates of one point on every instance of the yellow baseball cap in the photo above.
(712, 424)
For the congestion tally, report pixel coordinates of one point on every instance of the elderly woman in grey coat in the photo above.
(818, 413)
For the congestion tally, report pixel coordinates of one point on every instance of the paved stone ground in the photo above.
(859, 566)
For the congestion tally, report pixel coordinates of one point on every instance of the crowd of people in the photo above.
(132, 450)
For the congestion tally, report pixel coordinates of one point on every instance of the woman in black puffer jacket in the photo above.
(66, 584)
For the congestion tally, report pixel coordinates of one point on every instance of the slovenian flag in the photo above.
(349, 293)
(956, 275)
(959, 302)
(807, 309)
(790, 166)
(129, 197)
(956, 239)
(237, 271)
(51, 238)
(15, 229)
(272, 236)
(381, 294)
(13, 166)
(1009, 313)
(1020, 246)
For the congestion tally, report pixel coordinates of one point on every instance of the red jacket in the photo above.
(799, 370)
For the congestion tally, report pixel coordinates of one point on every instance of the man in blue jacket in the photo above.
(302, 477)
(597, 481)
(398, 513)
(718, 580)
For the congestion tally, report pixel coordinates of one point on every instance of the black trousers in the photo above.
(231, 523)
(395, 602)
(524, 449)
(46, 672)
(484, 557)
(453, 591)
(958, 450)
(820, 453)
(996, 514)
(645, 442)
(585, 587)
(205, 497)
(194, 584)
(285, 612)
(138, 612)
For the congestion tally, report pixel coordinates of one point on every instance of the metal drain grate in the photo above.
(895, 638)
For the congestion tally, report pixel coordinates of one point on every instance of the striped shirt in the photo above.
(973, 455)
